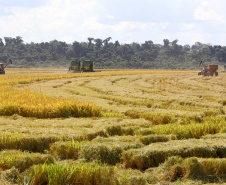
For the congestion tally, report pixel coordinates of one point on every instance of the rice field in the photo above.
(112, 127)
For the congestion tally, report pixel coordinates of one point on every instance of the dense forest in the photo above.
(107, 54)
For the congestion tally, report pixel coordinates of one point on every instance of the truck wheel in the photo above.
(216, 73)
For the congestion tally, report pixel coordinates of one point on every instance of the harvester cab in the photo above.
(209, 70)
(82, 66)
(3, 66)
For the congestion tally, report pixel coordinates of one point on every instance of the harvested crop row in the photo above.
(210, 170)
(100, 149)
(41, 142)
(156, 153)
(210, 125)
(22, 160)
(166, 118)
(106, 150)
(159, 133)
(37, 143)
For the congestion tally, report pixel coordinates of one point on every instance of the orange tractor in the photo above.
(3, 66)
(209, 70)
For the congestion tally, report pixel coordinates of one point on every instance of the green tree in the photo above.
(166, 42)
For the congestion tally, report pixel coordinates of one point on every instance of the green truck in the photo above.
(81, 66)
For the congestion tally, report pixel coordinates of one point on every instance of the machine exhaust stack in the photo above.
(3, 66)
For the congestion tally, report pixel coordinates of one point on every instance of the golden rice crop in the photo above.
(154, 118)
(80, 173)
(22, 160)
(32, 104)
(193, 130)
(99, 149)
(66, 150)
(171, 108)
(28, 78)
(33, 143)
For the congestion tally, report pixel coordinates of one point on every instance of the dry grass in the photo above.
(156, 153)
(210, 170)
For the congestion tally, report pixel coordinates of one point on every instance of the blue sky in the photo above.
(127, 21)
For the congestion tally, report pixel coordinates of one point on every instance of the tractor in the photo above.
(209, 70)
(3, 66)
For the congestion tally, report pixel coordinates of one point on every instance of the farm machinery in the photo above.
(3, 66)
(209, 70)
(82, 66)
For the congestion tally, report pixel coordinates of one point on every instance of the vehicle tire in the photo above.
(216, 73)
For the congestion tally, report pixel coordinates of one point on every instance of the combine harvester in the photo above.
(3, 66)
(82, 66)
(209, 70)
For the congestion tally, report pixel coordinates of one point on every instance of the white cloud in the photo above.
(123, 26)
(164, 25)
(193, 36)
(188, 26)
(165, 36)
(207, 15)
(205, 2)
(7, 10)
(110, 16)
(57, 18)
(70, 20)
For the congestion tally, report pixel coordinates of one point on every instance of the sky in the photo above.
(127, 21)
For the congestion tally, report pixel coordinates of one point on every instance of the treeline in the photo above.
(107, 54)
